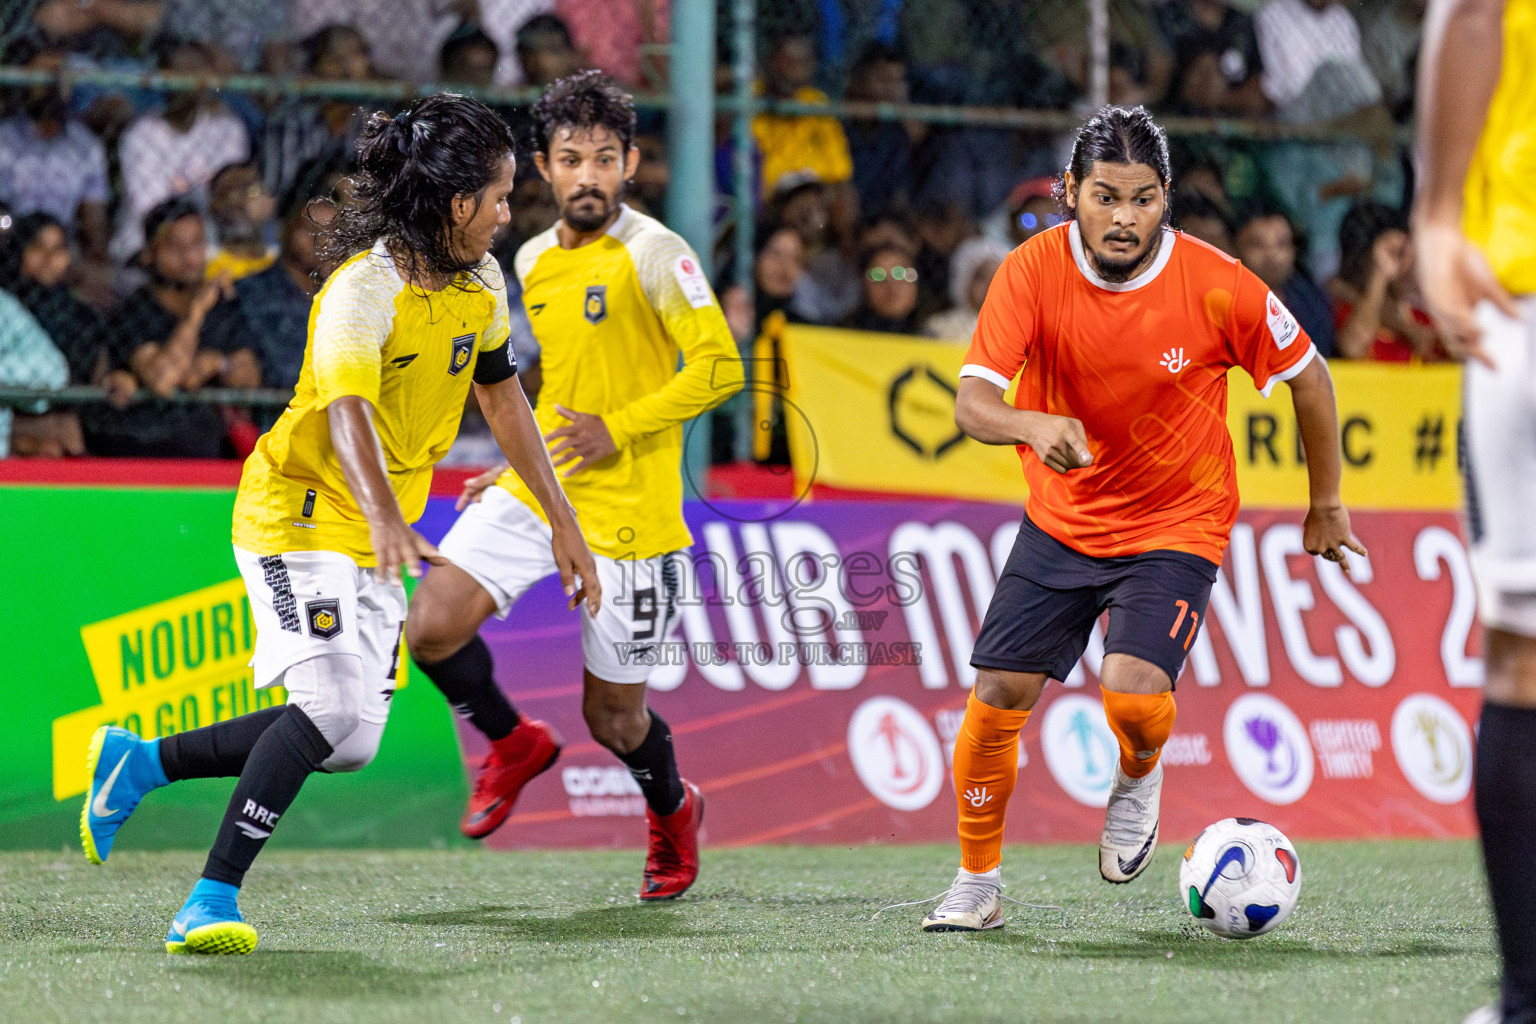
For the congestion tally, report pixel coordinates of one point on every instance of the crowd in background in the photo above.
(164, 242)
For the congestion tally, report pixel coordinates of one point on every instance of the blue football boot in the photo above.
(121, 768)
(210, 923)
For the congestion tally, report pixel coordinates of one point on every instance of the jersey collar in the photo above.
(619, 221)
(1141, 280)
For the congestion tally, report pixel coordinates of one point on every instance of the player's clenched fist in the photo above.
(1061, 442)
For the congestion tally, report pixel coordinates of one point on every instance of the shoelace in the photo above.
(491, 767)
(1123, 827)
(965, 885)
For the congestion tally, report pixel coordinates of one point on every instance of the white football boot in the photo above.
(972, 904)
(1130, 825)
(1490, 1014)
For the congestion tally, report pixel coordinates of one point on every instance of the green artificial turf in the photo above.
(1385, 932)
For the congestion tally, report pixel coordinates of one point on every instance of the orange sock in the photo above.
(986, 767)
(1142, 722)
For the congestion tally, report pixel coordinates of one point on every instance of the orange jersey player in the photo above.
(1122, 332)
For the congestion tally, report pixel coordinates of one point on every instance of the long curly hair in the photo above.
(410, 168)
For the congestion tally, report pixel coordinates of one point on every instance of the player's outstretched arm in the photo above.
(1459, 67)
(362, 464)
(981, 412)
(511, 421)
(1326, 531)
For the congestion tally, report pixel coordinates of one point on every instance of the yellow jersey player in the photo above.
(1474, 224)
(614, 298)
(414, 312)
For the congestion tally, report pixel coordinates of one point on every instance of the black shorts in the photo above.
(1049, 596)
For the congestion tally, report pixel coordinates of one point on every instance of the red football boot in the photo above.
(672, 863)
(514, 760)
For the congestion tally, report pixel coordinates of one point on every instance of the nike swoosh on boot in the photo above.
(99, 805)
(1129, 866)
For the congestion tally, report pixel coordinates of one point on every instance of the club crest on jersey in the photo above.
(324, 618)
(463, 351)
(596, 307)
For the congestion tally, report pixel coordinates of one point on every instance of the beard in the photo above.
(584, 221)
(1119, 269)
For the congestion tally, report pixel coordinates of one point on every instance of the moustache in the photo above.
(1123, 236)
(590, 193)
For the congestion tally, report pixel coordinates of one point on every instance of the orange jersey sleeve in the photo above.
(1005, 328)
(1264, 337)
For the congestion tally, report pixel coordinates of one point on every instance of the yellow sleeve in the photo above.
(352, 323)
(838, 161)
(826, 144)
(675, 285)
(496, 335)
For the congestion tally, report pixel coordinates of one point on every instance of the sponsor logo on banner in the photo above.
(919, 400)
(1433, 747)
(1080, 750)
(164, 668)
(597, 791)
(895, 753)
(1268, 748)
(1190, 748)
(1345, 747)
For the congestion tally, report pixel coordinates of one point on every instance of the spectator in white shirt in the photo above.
(1314, 70)
(501, 20)
(177, 151)
(51, 162)
(403, 36)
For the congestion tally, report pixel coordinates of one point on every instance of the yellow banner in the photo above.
(876, 412)
(165, 668)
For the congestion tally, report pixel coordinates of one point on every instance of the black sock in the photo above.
(215, 751)
(281, 760)
(655, 769)
(1506, 810)
(466, 680)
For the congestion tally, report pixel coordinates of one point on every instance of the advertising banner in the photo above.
(818, 673)
(875, 412)
(814, 680)
(122, 606)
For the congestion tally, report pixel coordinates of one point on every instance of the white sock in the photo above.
(995, 875)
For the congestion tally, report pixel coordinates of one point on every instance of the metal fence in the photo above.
(841, 138)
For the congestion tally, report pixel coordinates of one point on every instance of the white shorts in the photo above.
(506, 548)
(1499, 412)
(309, 603)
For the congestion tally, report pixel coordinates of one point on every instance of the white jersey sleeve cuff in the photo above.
(1286, 374)
(986, 373)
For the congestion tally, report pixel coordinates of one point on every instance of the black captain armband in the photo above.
(495, 365)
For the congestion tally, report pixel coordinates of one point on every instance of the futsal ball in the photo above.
(1240, 878)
